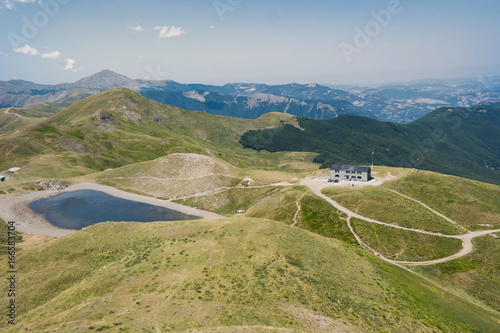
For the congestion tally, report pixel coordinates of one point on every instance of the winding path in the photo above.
(429, 208)
(15, 114)
(297, 212)
(317, 185)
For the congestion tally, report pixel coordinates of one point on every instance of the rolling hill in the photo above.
(289, 263)
(455, 141)
(223, 276)
(15, 118)
(120, 127)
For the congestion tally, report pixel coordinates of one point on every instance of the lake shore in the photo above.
(16, 208)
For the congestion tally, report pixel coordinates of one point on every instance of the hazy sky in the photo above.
(271, 41)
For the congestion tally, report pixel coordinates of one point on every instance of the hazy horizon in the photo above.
(479, 78)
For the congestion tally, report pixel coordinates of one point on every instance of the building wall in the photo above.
(348, 175)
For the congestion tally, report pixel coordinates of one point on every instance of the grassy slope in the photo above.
(478, 273)
(469, 203)
(36, 112)
(405, 245)
(318, 216)
(180, 175)
(473, 205)
(278, 204)
(184, 131)
(120, 127)
(381, 204)
(221, 274)
(31, 114)
(10, 122)
(443, 141)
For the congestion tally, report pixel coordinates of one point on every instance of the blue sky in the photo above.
(220, 41)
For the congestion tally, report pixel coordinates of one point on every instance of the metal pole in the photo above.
(372, 158)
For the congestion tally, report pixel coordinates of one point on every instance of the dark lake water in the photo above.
(77, 210)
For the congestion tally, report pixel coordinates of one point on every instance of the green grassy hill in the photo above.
(16, 118)
(120, 127)
(224, 276)
(289, 263)
(455, 141)
(472, 205)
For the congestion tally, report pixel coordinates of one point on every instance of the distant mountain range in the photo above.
(254, 105)
(400, 103)
(119, 126)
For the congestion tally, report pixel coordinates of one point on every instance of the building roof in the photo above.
(350, 168)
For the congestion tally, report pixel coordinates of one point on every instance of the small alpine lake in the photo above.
(80, 209)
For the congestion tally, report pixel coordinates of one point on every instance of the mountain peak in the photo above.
(107, 79)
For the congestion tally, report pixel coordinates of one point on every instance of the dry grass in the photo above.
(224, 275)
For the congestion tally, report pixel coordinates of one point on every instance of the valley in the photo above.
(279, 249)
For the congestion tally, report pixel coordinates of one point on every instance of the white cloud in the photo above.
(26, 49)
(31, 51)
(9, 4)
(51, 55)
(212, 27)
(140, 57)
(136, 28)
(166, 32)
(70, 63)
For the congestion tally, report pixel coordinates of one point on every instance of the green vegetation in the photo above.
(471, 204)
(301, 271)
(380, 204)
(402, 245)
(120, 127)
(476, 274)
(279, 205)
(39, 110)
(10, 122)
(13, 118)
(229, 201)
(439, 141)
(320, 217)
(224, 274)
